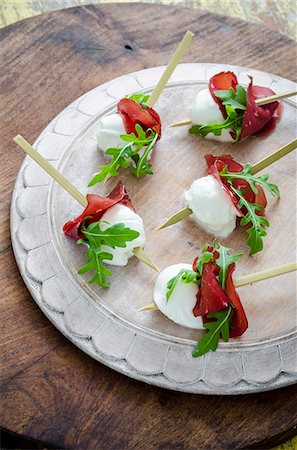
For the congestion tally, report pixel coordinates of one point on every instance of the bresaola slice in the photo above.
(212, 298)
(133, 113)
(239, 322)
(222, 81)
(216, 164)
(256, 119)
(95, 209)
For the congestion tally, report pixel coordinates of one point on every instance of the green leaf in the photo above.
(119, 159)
(96, 264)
(142, 166)
(236, 99)
(128, 157)
(115, 236)
(205, 257)
(256, 223)
(233, 122)
(140, 98)
(216, 329)
(184, 275)
(224, 261)
(251, 179)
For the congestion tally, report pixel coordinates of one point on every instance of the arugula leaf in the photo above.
(219, 328)
(256, 231)
(236, 99)
(257, 223)
(96, 259)
(142, 166)
(233, 121)
(224, 261)
(140, 98)
(115, 236)
(184, 275)
(128, 156)
(203, 259)
(119, 159)
(251, 179)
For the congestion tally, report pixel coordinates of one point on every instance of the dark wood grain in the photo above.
(51, 391)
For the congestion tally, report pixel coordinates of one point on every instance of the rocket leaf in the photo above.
(216, 329)
(233, 122)
(224, 260)
(115, 236)
(140, 98)
(128, 156)
(246, 175)
(184, 275)
(236, 99)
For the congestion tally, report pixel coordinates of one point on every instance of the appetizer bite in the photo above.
(128, 138)
(229, 190)
(111, 231)
(228, 112)
(203, 296)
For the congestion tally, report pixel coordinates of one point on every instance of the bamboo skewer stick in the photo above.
(175, 218)
(265, 162)
(259, 101)
(248, 279)
(65, 184)
(52, 171)
(275, 97)
(266, 274)
(275, 156)
(180, 51)
(181, 123)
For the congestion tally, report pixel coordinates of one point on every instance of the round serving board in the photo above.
(106, 324)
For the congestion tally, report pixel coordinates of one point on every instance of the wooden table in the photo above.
(51, 391)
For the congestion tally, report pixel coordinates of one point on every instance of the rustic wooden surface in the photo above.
(52, 391)
(276, 15)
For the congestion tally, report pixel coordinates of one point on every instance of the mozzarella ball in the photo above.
(213, 209)
(122, 214)
(109, 130)
(179, 307)
(206, 111)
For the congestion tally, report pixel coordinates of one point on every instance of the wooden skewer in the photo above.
(248, 279)
(180, 51)
(266, 274)
(65, 184)
(273, 157)
(259, 101)
(175, 218)
(275, 97)
(181, 123)
(265, 162)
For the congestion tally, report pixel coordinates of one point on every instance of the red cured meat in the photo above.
(95, 209)
(239, 322)
(255, 118)
(132, 113)
(222, 81)
(210, 297)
